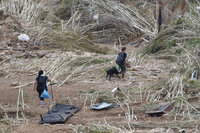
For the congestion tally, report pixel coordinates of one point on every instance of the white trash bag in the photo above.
(23, 37)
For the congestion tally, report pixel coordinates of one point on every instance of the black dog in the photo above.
(112, 71)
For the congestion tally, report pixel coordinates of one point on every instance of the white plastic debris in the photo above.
(194, 76)
(115, 89)
(96, 16)
(23, 37)
(103, 105)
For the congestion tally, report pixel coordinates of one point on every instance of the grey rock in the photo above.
(41, 53)
(14, 84)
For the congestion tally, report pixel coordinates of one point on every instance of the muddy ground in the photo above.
(148, 71)
(70, 93)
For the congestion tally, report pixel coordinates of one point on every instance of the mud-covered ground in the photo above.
(70, 93)
(144, 73)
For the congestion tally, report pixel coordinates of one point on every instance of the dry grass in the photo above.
(7, 118)
(181, 42)
(174, 89)
(128, 21)
(66, 66)
(44, 28)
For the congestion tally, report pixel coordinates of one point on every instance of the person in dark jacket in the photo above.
(40, 85)
(122, 60)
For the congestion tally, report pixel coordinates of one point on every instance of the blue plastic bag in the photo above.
(45, 94)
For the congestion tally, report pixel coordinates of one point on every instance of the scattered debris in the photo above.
(59, 114)
(159, 109)
(139, 41)
(14, 84)
(115, 89)
(104, 105)
(182, 131)
(194, 75)
(155, 72)
(23, 37)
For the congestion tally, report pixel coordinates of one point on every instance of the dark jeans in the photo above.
(123, 68)
(40, 92)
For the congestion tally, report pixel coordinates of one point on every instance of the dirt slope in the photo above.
(70, 93)
(16, 56)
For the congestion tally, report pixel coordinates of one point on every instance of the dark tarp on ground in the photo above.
(159, 109)
(59, 114)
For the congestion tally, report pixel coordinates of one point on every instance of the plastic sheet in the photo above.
(104, 105)
(45, 94)
(59, 114)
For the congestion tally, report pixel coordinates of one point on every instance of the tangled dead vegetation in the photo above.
(45, 29)
(181, 41)
(110, 19)
(9, 117)
(66, 64)
(180, 44)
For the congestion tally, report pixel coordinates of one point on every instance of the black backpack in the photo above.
(120, 58)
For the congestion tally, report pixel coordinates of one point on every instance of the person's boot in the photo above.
(41, 104)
